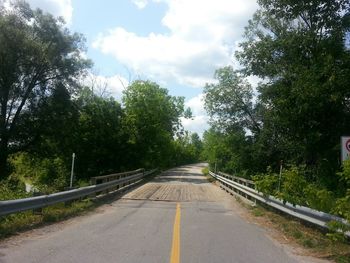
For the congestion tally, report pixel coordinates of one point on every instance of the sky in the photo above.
(177, 43)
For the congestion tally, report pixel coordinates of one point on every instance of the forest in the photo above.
(48, 113)
(285, 132)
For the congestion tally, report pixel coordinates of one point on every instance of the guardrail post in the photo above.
(92, 180)
(69, 203)
(105, 181)
(37, 211)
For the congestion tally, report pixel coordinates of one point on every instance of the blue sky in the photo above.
(176, 43)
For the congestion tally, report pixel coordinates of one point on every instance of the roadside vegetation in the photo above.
(292, 231)
(16, 223)
(205, 172)
(47, 112)
(51, 106)
(285, 132)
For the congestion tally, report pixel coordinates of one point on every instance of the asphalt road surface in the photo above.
(177, 217)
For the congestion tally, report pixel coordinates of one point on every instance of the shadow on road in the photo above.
(181, 174)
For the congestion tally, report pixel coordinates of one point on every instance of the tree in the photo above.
(152, 119)
(100, 141)
(298, 48)
(229, 102)
(228, 151)
(197, 145)
(59, 116)
(37, 52)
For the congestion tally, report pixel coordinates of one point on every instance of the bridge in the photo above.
(177, 217)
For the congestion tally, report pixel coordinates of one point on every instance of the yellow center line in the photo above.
(175, 248)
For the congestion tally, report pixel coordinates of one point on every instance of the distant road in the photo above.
(177, 217)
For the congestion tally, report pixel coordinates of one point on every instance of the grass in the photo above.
(258, 212)
(19, 222)
(238, 199)
(311, 239)
(205, 172)
(15, 223)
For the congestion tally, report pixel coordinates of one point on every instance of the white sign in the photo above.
(345, 148)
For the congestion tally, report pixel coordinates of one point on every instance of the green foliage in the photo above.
(229, 103)
(342, 206)
(267, 183)
(46, 115)
(52, 175)
(105, 136)
(14, 223)
(228, 152)
(205, 171)
(337, 231)
(60, 117)
(197, 145)
(100, 137)
(257, 212)
(152, 118)
(299, 50)
(345, 173)
(11, 189)
(37, 52)
(295, 188)
(319, 198)
(185, 149)
(293, 184)
(46, 175)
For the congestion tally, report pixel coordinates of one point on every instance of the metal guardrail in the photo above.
(14, 206)
(304, 213)
(237, 179)
(111, 177)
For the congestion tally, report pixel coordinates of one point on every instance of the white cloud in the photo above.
(61, 8)
(196, 104)
(199, 122)
(202, 36)
(254, 81)
(140, 3)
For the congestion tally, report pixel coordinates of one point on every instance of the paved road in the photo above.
(178, 217)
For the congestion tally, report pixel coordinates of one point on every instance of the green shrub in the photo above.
(337, 230)
(293, 184)
(205, 171)
(319, 199)
(342, 206)
(9, 192)
(345, 173)
(53, 175)
(294, 188)
(267, 183)
(47, 174)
